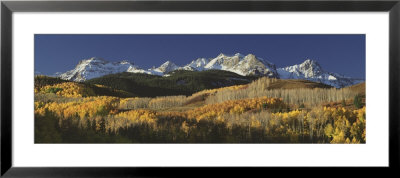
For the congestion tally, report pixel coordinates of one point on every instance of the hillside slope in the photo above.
(360, 88)
(97, 90)
(178, 82)
(295, 84)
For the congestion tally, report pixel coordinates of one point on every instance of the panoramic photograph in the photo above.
(200, 88)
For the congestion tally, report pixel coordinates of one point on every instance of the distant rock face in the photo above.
(307, 69)
(223, 62)
(197, 64)
(166, 67)
(238, 63)
(242, 65)
(251, 65)
(95, 67)
(311, 70)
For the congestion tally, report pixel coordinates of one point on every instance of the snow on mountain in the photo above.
(311, 70)
(243, 65)
(166, 67)
(238, 63)
(135, 69)
(95, 67)
(252, 65)
(223, 62)
(308, 69)
(197, 64)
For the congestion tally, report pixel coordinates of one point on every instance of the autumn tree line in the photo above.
(260, 88)
(252, 113)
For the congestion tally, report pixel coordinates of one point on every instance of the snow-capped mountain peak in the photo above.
(244, 65)
(309, 68)
(94, 60)
(95, 67)
(166, 67)
(311, 65)
(125, 62)
(167, 63)
(197, 64)
(223, 62)
(240, 55)
(312, 70)
(252, 65)
(221, 55)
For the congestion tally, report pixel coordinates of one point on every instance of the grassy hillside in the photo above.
(178, 83)
(360, 88)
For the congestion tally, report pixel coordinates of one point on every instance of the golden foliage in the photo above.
(167, 102)
(89, 107)
(248, 106)
(134, 103)
(67, 89)
(213, 91)
(234, 107)
(260, 88)
(157, 103)
(132, 117)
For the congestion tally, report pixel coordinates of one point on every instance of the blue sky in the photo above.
(343, 54)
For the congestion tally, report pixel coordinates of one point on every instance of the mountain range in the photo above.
(244, 65)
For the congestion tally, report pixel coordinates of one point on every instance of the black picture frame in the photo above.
(8, 7)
